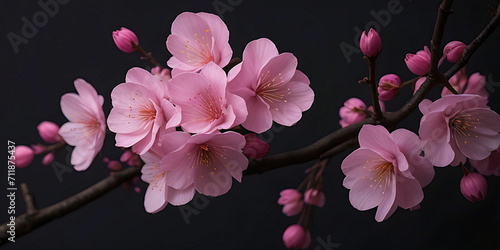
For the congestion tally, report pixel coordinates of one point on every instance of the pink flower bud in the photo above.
(388, 87)
(453, 51)
(314, 197)
(292, 201)
(49, 132)
(161, 74)
(23, 156)
(126, 155)
(125, 40)
(419, 63)
(419, 83)
(48, 158)
(137, 190)
(474, 187)
(255, 148)
(37, 149)
(370, 44)
(352, 112)
(296, 237)
(115, 165)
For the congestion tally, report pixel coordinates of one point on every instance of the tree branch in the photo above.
(27, 222)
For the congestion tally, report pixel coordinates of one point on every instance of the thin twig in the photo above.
(28, 199)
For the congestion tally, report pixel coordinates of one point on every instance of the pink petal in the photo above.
(172, 114)
(387, 205)
(239, 108)
(143, 77)
(259, 117)
(279, 69)
(180, 166)
(77, 134)
(300, 94)
(285, 113)
(378, 139)
(82, 157)
(257, 53)
(356, 165)
(300, 77)
(409, 193)
(230, 139)
(156, 196)
(221, 36)
(170, 142)
(439, 154)
(75, 110)
(178, 197)
(88, 95)
(129, 139)
(434, 127)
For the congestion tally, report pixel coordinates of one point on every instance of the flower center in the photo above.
(460, 124)
(270, 89)
(381, 175)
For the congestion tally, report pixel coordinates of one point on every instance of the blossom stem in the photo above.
(146, 55)
(373, 87)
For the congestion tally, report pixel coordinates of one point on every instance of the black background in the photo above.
(76, 43)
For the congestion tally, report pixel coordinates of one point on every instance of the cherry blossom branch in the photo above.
(146, 55)
(373, 87)
(34, 218)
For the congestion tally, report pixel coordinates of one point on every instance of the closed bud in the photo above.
(48, 158)
(473, 187)
(388, 87)
(453, 51)
(419, 63)
(370, 44)
(255, 148)
(296, 237)
(23, 156)
(314, 197)
(125, 40)
(49, 132)
(291, 200)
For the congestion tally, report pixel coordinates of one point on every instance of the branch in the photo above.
(335, 141)
(33, 219)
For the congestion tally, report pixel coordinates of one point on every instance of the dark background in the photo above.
(76, 42)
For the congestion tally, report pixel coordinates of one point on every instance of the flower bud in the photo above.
(453, 51)
(255, 148)
(473, 187)
(161, 74)
(296, 237)
(352, 112)
(137, 190)
(314, 197)
(115, 165)
(23, 156)
(292, 201)
(388, 87)
(48, 158)
(49, 132)
(370, 44)
(37, 149)
(125, 40)
(419, 63)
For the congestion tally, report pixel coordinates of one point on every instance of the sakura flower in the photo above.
(388, 87)
(271, 85)
(453, 51)
(139, 110)
(86, 128)
(474, 85)
(196, 40)
(205, 104)
(292, 202)
(255, 148)
(490, 165)
(353, 111)
(314, 197)
(158, 193)
(125, 40)
(209, 161)
(457, 127)
(386, 171)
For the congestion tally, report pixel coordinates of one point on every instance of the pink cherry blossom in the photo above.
(86, 128)
(292, 202)
(457, 127)
(205, 104)
(23, 156)
(488, 166)
(139, 110)
(370, 44)
(196, 40)
(159, 193)
(162, 74)
(353, 111)
(296, 237)
(386, 171)
(419, 63)
(473, 187)
(49, 132)
(474, 85)
(209, 161)
(314, 197)
(271, 85)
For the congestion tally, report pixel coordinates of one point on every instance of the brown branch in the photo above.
(27, 222)
(373, 88)
(28, 199)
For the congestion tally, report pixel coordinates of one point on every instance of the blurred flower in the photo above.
(296, 237)
(314, 197)
(23, 156)
(352, 112)
(292, 202)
